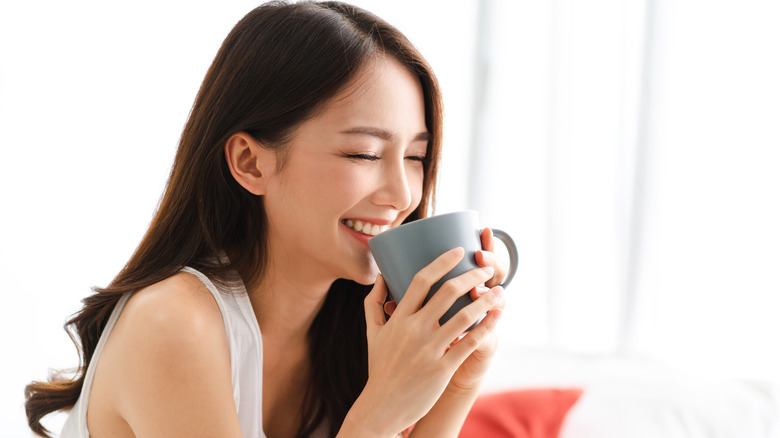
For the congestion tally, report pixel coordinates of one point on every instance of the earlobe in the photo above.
(245, 157)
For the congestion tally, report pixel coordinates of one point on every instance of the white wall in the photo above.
(639, 139)
(709, 278)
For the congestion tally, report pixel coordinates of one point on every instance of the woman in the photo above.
(243, 311)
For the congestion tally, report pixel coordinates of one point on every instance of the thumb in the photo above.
(374, 303)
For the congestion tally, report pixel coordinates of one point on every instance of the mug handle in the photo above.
(504, 237)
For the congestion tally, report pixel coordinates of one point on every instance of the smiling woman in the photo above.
(247, 308)
(375, 175)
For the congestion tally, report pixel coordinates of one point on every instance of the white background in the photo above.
(632, 151)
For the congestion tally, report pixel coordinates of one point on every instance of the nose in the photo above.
(394, 188)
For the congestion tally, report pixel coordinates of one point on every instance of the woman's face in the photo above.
(352, 171)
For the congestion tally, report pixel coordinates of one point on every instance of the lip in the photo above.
(372, 220)
(363, 238)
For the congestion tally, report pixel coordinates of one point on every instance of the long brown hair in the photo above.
(275, 69)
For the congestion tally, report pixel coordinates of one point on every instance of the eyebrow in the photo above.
(383, 134)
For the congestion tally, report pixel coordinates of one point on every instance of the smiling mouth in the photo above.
(365, 227)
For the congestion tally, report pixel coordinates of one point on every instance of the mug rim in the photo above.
(422, 219)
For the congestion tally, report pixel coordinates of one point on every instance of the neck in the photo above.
(286, 302)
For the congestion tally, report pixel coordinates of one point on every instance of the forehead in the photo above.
(382, 88)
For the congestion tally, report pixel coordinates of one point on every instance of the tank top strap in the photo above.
(227, 321)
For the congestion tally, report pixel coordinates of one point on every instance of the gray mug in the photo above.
(403, 251)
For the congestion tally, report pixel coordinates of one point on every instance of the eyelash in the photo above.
(368, 157)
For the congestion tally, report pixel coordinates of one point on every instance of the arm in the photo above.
(173, 364)
(447, 416)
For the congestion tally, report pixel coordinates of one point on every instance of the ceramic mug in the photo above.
(403, 251)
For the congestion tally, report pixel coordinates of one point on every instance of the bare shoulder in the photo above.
(171, 324)
(178, 304)
(166, 365)
(177, 316)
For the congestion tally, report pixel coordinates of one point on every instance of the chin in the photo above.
(365, 279)
(367, 275)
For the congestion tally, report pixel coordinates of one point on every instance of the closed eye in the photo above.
(366, 157)
(369, 157)
(417, 158)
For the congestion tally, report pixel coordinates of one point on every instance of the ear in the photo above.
(250, 163)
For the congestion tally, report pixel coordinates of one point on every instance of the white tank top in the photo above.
(246, 361)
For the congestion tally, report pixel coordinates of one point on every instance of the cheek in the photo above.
(333, 188)
(416, 187)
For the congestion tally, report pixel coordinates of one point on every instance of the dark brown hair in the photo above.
(275, 69)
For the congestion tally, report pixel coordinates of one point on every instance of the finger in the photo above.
(488, 258)
(453, 289)
(466, 316)
(462, 349)
(486, 236)
(390, 307)
(375, 315)
(426, 278)
(478, 292)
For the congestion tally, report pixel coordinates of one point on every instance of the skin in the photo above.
(359, 158)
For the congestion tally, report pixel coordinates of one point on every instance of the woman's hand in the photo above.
(470, 374)
(411, 359)
(486, 257)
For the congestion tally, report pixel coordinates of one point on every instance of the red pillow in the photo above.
(526, 413)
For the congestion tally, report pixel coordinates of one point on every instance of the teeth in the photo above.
(365, 227)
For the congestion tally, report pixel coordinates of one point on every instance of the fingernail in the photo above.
(498, 291)
(488, 270)
(457, 251)
(481, 290)
(497, 314)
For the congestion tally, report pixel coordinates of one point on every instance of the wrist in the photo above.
(463, 390)
(362, 422)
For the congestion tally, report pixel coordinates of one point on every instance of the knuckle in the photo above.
(462, 284)
(489, 323)
(451, 290)
(422, 278)
(412, 323)
(488, 346)
(488, 300)
(466, 316)
(473, 340)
